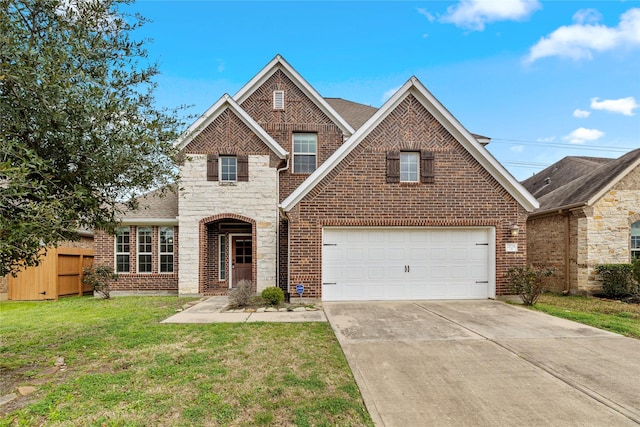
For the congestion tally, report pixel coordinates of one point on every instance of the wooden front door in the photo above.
(241, 259)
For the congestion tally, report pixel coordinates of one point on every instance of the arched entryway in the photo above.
(227, 253)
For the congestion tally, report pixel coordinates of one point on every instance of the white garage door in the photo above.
(361, 264)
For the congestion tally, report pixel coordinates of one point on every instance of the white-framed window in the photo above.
(165, 235)
(409, 166)
(222, 257)
(278, 100)
(144, 249)
(635, 240)
(305, 148)
(122, 249)
(228, 169)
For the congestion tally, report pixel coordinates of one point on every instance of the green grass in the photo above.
(613, 316)
(124, 368)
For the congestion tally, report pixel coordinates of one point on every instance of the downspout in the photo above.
(278, 210)
(567, 248)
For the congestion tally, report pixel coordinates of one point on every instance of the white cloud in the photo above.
(586, 36)
(474, 14)
(622, 106)
(388, 94)
(546, 139)
(582, 135)
(517, 148)
(220, 67)
(581, 114)
(426, 13)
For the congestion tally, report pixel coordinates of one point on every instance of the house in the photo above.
(589, 214)
(285, 187)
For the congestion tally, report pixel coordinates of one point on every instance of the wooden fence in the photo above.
(59, 274)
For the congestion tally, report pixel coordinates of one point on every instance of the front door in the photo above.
(241, 259)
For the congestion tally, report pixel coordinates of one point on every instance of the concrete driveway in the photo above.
(485, 363)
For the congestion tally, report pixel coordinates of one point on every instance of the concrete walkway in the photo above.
(485, 363)
(211, 310)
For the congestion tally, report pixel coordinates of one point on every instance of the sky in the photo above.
(543, 79)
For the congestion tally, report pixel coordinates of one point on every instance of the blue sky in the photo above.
(543, 79)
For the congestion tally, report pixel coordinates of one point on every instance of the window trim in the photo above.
(166, 253)
(415, 157)
(634, 252)
(139, 253)
(221, 161)
(222, 257)
(122, 253)
(306, 153)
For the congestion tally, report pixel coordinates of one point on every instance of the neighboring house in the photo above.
(589, 214)
(284, 187)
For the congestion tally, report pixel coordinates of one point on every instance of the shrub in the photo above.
(241, 295)
(635, 271)
(617, 280)
(99, 278)
(273, 295)
(528, 282)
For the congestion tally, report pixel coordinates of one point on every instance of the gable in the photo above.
(263, 82)
(226, 123)
(404, 109)
(227, 134)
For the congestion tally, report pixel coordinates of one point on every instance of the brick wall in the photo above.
(299, 115)
(132, 281)
(356, 193)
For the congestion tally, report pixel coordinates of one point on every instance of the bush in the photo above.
(617, 280)
(99, 278)
(241, 295)
(528, 282)
(635, 272)
(273, 295)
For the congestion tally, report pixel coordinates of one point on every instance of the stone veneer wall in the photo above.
(201, 199)
(607, 228)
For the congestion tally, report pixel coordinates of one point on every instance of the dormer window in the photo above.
(278, 100)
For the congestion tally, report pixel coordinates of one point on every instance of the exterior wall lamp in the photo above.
(515, 230)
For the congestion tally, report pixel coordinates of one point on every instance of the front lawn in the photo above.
(118, 366)
(613, 316)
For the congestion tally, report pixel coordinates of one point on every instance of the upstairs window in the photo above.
(228, 169)
(278, 100)
(144, 249)
(122, 250)
(635, 240)
(305, 147)
(410, 166)
(409, 163)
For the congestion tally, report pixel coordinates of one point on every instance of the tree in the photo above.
(79, 131)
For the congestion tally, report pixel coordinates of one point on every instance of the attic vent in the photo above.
(278, 100)
(547, 181)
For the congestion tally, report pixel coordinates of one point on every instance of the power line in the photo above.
(561, 145)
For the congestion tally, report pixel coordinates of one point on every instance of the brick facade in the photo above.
(597, 234)
(134, 281)
(356, 193)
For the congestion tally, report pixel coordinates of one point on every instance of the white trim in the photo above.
(172, 253)
(138, 253)
(278, 100)
(445, 118)
(224, 103)
(149, 221)
(411, 155)
(222, 259)
(279, 63)
(116, 253)
(230, 249)
(220, 157)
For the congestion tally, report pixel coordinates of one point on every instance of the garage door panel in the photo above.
(405, 263)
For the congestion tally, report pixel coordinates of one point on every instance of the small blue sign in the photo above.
(300, 289)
